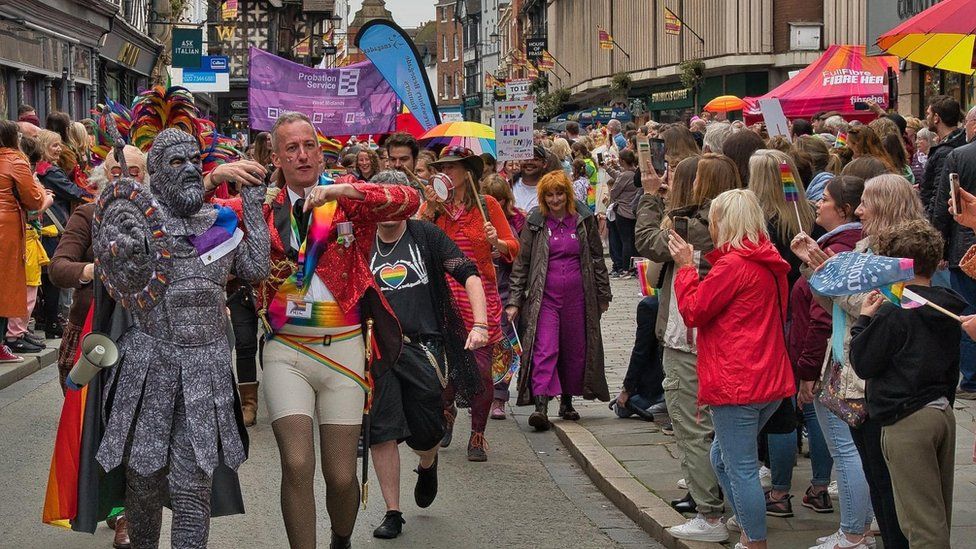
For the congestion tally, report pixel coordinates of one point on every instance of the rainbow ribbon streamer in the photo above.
(902, 297)
(789, 184)
(647, 288)
(841, 140)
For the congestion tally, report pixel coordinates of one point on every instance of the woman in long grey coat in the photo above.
(561, 286)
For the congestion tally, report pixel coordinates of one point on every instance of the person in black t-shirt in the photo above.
(410, 261)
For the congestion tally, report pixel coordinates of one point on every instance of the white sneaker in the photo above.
(875, 529)
(838, 540)
(733, 525)
(740, 546)
(683, 484)
(832, 489)
(699, 529)
(765, 478)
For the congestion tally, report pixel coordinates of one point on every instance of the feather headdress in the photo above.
(157, 109)
(122, 117)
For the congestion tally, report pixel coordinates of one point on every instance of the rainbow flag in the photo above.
(902, 297)
(514, 340)
(647, 288)
(789, 183)
(841, 140)
(61, 498)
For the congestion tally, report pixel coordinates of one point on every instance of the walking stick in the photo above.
(366, 418)
(477, 200)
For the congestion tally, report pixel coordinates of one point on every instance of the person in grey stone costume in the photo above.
(171, 417)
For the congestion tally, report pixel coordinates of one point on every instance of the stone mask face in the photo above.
(176, 176)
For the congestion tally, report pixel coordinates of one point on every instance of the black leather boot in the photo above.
(539, 419)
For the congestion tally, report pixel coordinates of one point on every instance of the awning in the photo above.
(842, 76)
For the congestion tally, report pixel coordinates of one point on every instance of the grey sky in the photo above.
(407, 13)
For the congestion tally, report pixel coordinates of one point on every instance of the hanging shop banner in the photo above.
(187, 48)
(395, 56)
(513, 129)
(534, 47)
(351, 100)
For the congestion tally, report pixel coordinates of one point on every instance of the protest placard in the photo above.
(776, 124)
(513, 129)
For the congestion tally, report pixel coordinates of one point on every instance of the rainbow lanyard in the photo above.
(319, 228)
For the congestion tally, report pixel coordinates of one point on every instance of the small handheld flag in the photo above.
(906, 299)
(896, 294)
(790, 191)
(647, 288)
(841, 140)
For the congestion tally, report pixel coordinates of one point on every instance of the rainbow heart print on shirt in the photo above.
(393, 275)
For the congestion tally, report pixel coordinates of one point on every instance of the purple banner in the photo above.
(351, 100)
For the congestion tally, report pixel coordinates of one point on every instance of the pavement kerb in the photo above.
(13, 372)
(647, 510)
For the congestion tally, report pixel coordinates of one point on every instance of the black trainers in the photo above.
(782, 508)
(425, 491)
(21, 345)
(820, 503)
(391, 527)
(36, 340)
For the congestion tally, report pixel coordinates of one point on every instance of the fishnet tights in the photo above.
(295, 444)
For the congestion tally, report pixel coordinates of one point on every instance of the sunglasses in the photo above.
(134, 171)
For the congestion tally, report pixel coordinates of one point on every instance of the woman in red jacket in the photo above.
(743, 368)
(479, 230)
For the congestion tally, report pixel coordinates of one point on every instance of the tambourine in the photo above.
(443, 186)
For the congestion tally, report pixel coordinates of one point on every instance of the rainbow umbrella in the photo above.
(942, 37)
(725, 103)
(477, 137)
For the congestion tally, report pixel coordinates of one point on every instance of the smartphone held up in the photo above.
(955, 194)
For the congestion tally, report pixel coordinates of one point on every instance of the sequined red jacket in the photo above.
(345, 271)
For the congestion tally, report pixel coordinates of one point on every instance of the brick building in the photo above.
(450, 66)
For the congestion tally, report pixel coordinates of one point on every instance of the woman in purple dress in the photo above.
(560, 285)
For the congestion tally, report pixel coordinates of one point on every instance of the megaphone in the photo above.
(98, 351)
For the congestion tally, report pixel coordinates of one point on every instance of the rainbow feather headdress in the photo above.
(103, 141)
(157, 109)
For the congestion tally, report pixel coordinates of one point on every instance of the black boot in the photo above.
(566, 410)
(539, 419)
(340, 542)
(391, 527)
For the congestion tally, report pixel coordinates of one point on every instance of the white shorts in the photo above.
(295, 383)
